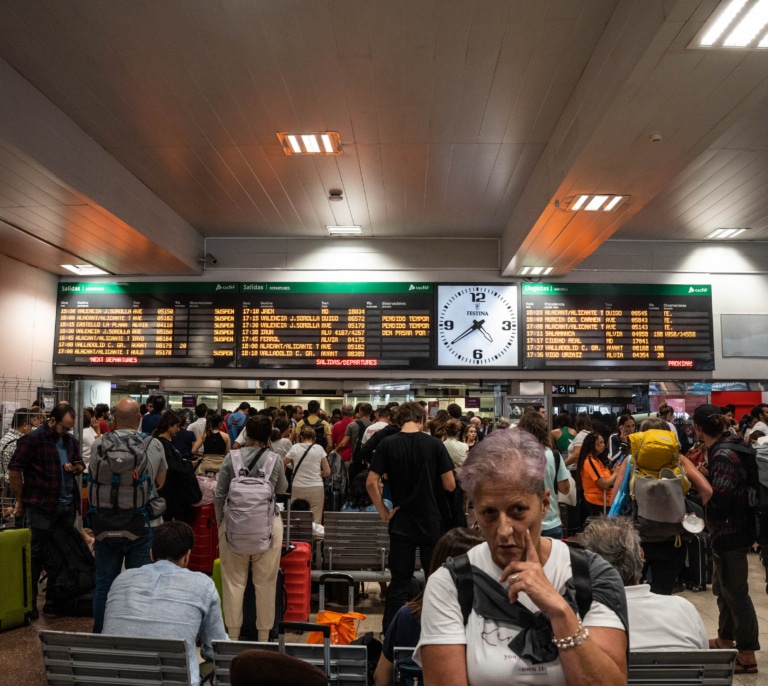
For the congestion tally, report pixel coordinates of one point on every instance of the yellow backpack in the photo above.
(657, 485)
(654, 450)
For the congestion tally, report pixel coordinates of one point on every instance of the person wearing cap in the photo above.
(731, 534)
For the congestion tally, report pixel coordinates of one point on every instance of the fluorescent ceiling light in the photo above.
(582, 199)
(736, 24)
(345, 230)
(536, 271)
(749, 27)
(310, 143)
(323, 143)
(722, 234)
(595, 202)
(294, 144)
(722, 22)
(85, 269)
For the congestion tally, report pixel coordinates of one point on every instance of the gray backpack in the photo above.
(120, 486)
(249, 510)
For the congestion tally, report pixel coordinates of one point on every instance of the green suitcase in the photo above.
(16, 574)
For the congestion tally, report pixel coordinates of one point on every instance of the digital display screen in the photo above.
(264, 325)
(641, 327)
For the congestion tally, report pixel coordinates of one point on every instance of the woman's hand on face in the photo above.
(527, 576)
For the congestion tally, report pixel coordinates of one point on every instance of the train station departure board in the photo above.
(635, 327)
(265, 325)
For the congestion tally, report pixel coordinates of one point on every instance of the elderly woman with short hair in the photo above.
(524, 625)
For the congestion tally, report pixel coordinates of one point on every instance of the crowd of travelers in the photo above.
(504, 598)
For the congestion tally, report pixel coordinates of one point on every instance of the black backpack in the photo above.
(357, 453)
(757, 494)
(319, 428)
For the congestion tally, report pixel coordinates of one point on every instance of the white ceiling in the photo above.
(132, 130)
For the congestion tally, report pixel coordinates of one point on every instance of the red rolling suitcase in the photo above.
(296, 566)
(206, 548)
(296, 563)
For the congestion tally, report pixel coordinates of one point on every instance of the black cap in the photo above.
(704, 413)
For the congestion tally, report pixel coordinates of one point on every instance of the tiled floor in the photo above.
(21, 661)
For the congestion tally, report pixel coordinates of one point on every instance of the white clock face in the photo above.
(477, 326)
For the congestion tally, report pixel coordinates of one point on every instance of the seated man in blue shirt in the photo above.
(166, 600)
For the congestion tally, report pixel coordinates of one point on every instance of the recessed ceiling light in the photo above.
(323, 143)
(535, 271)
(735, 24)
(594, 202)
(85, 269)
(345, 230)
(722, 234)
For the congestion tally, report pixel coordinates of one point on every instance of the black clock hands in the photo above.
(476, 326)
(486, 335)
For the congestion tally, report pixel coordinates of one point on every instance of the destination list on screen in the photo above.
(248, 325)
(572, 326)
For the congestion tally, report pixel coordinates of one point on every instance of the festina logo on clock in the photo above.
(477, 326)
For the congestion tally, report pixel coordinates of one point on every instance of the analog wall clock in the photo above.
(477, 326)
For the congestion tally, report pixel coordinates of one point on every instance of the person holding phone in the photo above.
(618, 443)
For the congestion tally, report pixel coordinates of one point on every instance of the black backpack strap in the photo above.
(581, 580)
(558, 458)
(250, 467)
(465, 585)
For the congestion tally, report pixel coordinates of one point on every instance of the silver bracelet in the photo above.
(577, 639)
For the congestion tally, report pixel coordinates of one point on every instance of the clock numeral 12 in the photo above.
(478, 297)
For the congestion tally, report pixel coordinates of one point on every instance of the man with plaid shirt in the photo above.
(47, 496)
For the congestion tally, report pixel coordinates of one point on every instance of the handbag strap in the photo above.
(296, 471)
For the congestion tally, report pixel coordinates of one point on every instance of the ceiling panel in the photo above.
(456, 118)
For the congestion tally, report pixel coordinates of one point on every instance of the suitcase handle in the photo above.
(325, 629)
(337, 576)
(334, 577)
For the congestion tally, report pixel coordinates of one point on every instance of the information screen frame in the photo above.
(289, 325)
(645, 320)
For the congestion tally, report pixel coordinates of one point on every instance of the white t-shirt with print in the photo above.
(490, 662)
(372, 429)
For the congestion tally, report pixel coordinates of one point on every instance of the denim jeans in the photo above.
(109, 558)
(554, 532)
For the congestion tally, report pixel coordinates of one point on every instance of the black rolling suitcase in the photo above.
(697, 572)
